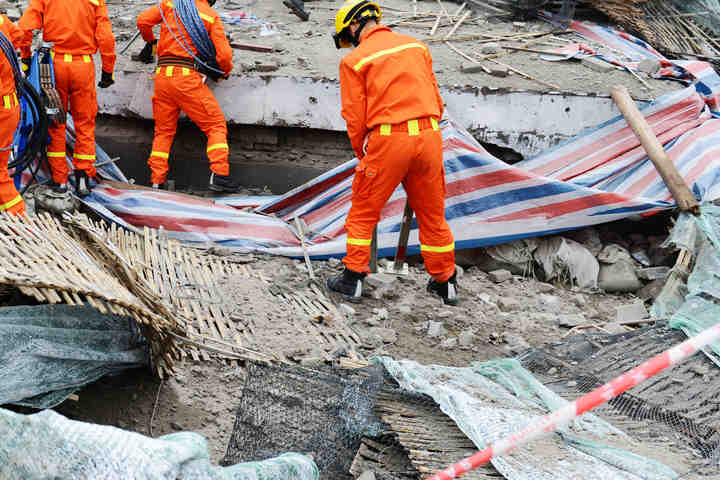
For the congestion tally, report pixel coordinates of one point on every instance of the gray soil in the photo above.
(504, 319)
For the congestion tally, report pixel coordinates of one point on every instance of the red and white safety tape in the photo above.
(600, 395)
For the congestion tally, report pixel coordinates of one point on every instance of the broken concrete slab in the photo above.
(449, 343)
(466, 338)
(435, 329)
(618, 277)
(571, 320)
(508, 304)
(633, 311)
(499, 276)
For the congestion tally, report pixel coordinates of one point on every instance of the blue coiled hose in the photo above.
(187, 13)
(9, 51)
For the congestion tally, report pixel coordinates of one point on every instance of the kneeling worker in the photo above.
(180, 86)
(391, 103)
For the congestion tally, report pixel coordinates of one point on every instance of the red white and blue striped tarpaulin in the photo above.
(600, 176)
(699, 73)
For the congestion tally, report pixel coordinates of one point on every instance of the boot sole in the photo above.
(217, 188)
(304, 16)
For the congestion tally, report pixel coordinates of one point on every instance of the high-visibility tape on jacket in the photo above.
(388, 51)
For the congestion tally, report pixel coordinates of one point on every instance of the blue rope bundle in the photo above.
(187, 13)
(9, 51)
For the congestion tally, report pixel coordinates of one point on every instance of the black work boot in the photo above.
(82, 184)
(222, 183)
(349, 283)
(298, 8)
(57, 190)
(447, 290)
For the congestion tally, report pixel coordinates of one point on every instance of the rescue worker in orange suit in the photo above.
(391, 104)
(77, 29)
(179, 86)
(10, 199)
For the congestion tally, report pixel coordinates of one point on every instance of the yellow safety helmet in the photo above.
(353, 11)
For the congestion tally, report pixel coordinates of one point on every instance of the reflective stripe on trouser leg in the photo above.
(56, 153)
(10, 200)
(166, 113)
(203, 109)
(83, 108)
(425, 185)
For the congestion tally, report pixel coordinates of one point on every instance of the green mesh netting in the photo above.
(494, 399)
(695, 306)
(47, 445)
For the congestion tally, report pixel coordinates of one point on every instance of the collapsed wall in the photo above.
(284, 131)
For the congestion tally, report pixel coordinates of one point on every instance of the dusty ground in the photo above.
(501, 320)
(307, 49)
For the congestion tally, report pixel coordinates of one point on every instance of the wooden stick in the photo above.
(530, 50)
(437, 24)
(457, 25)
(401, 252)
(523, 74)
(459, 10)
(373, 252)
(301, 232)
(442, 8)
(467, 57)
(675, 183)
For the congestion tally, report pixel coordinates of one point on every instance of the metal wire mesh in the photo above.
(321, 413)
(675, 412)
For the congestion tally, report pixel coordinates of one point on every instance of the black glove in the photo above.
(106, 80)
(26, 65)
(147, 54)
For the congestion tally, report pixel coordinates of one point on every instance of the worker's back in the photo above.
(398, 77)
(70, 25)
(175, 41)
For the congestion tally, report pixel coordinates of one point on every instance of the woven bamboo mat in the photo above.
(175, 292)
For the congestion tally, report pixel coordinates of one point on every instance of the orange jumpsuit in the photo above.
(77, 29)
(10, 199)
(389, 93)
(181, 88)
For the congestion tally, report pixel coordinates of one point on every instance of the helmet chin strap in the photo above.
(358, 32)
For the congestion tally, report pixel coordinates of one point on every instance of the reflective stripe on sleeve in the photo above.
(83, 157)
(56, 154)
(159, 154)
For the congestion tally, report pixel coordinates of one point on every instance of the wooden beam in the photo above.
(675, 183)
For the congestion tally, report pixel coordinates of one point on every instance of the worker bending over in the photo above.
(179, 85)
(10, 77)
(391, 103)
(77, 29)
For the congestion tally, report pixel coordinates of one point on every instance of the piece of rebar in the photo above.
(130, 42)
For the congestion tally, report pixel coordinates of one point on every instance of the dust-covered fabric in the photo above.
(49, 351)
(48, 445)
